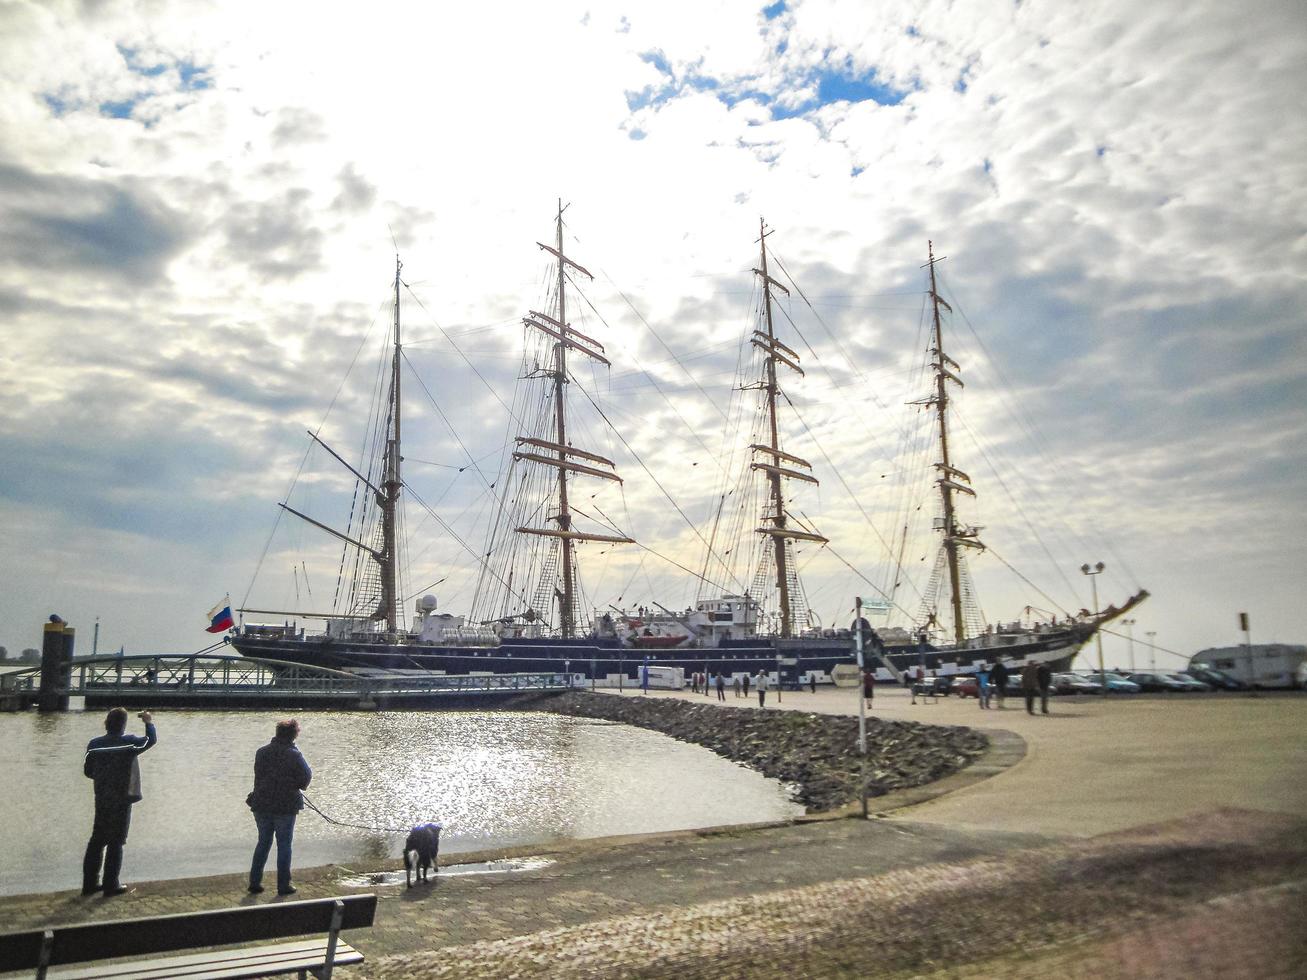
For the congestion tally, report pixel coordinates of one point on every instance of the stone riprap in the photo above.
(816, 754)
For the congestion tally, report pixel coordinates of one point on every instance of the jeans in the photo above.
(108, 835)
(283, 826)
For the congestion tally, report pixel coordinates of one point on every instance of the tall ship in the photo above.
(529, 611)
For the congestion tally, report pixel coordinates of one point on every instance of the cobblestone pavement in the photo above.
(1212, 896)
(1126, 905)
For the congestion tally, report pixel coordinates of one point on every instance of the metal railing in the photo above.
(215, 674)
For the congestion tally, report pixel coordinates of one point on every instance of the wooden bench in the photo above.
(42, 950)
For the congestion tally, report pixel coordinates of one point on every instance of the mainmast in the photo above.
(389, 499)
(775, 518)
(561, 453)
(955, 536)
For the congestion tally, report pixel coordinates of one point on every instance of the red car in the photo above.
(965, 686)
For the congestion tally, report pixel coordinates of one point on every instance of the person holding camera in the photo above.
(111, 761)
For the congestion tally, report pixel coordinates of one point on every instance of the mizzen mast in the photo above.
(557, 452)
(775, 522)
(389, 499)
(951, 480)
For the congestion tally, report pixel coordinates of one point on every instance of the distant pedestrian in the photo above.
(746, 683)
(812, 681)
(910, 685)
(1030, 685)
(982, 685)
(868, 685)
(721, 687)
(1044, 678)
(280, 773)
(762, 689)
(694, 683)
(998, 681)
(735, 685)
(111, 761)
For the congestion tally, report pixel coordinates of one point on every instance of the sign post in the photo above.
(1247, 644)
(862, 707)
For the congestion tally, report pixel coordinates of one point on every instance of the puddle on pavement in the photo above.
(506, 866)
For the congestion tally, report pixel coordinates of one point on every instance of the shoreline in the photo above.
(729, 733)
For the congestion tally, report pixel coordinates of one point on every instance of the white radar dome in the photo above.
(427, 603)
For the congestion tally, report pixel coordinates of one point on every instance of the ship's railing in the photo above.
(209, 674)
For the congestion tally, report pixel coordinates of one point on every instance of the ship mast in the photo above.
(561, 454)
(775, 518)
(389, 499)
(951, 480)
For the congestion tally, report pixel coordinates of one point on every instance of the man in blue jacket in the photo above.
(280, 773)
(111, 761)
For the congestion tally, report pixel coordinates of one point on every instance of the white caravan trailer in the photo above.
(1261, 665)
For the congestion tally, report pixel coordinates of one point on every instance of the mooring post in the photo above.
(56, 665)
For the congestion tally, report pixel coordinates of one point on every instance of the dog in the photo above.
(423, 842)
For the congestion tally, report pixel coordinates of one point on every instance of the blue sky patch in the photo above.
(774, 10)
(833, 83)
(118, 110)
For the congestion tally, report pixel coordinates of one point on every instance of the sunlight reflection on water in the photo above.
(494, 779)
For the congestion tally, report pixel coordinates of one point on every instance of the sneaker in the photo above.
(111, 890)
(288, 890)
(256, 889)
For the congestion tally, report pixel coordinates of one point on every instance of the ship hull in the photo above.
(606, 659)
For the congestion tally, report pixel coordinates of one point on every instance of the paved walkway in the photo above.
(1096, 765)
(1003, 883)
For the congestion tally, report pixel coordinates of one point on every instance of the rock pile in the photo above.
(816, 754)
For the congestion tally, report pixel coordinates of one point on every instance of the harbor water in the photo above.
(495, 779)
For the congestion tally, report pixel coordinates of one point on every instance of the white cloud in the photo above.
(1120, 192)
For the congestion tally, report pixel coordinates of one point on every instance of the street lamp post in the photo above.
(1129, 625)
(1098, 633)
(1152, 650)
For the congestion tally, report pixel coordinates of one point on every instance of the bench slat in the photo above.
(90, 941)
(234, 964)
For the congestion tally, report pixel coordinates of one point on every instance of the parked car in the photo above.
(1117, 683)
(965, 686)
(1190, 683)
(1071, 683)
(1217, 679)
(1155, 683)
(936, 686)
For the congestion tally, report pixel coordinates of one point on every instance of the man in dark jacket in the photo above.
(111, 763)
(998, 680)
(1030, 685)
(1045, 678)
(280, 772)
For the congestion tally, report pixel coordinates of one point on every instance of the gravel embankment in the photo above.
(816, 754)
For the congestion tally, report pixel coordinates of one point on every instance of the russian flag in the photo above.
(220, 619)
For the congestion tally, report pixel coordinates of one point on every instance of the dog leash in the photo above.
(357, 826)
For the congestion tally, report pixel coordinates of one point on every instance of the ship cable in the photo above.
(357, 826)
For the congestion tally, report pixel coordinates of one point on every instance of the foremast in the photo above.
(386, 492)
(951, 479)
(775, 521)
(557, 452)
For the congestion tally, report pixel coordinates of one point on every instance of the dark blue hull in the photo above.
(600, 658)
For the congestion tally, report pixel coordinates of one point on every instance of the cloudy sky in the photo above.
(200, 205)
